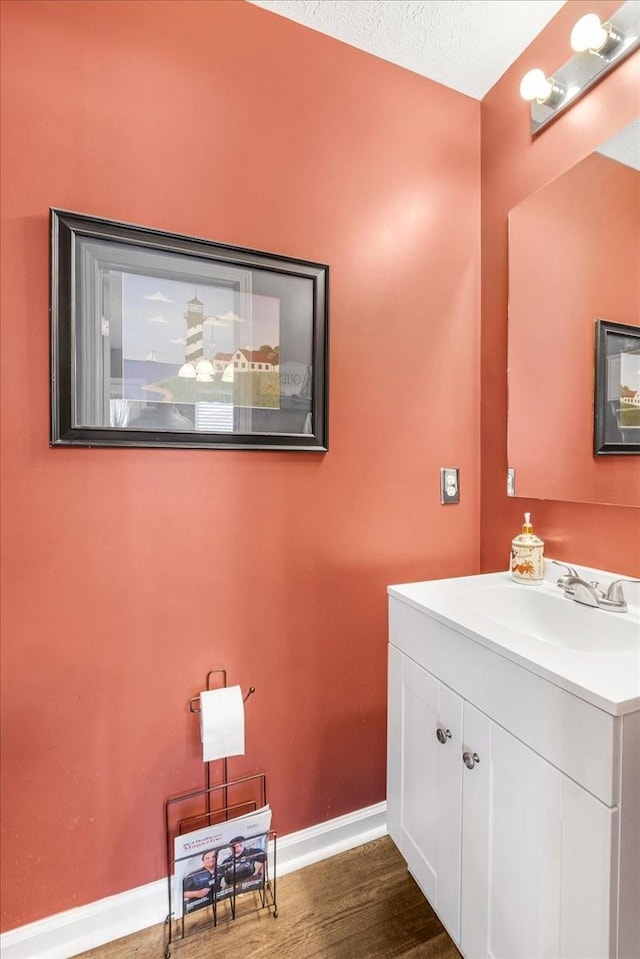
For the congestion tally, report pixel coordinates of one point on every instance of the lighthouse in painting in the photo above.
(195, 330)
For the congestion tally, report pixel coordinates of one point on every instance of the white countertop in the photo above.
(607, 676)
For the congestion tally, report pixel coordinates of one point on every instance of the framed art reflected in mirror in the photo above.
(617, 389)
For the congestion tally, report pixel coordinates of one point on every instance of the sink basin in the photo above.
(590, 652)
(544, 613)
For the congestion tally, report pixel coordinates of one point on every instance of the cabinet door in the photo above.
(536, 855)
(424, 782)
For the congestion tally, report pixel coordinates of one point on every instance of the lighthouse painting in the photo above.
(195, 317)
(161, 339)
(191, 345)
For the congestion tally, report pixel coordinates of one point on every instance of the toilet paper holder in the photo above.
(194, 707)
(194, 702)
(255, 787)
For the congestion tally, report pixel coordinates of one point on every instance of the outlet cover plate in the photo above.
(449, 485)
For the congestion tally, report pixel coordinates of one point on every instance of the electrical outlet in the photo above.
(511, 481)
(449, 485)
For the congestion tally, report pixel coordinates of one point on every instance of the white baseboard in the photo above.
(300, 849)
(76, 930)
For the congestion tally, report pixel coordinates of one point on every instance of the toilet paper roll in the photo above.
(221, 723)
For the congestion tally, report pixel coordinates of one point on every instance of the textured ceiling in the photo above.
(624, 146)
(465, 44)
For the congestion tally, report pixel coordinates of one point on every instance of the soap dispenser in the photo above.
(527, 555)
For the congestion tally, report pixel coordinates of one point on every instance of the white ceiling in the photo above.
(624, 146)
(465, 44)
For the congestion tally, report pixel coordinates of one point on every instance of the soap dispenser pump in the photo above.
(527, 555)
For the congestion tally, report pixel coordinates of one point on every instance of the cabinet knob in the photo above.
(470, 759)
(443, 734)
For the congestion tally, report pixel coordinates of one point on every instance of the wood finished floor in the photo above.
(362, 904)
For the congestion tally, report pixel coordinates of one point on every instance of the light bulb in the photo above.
(204, 366)
(590, 33)
(535, 86)
(187, 371)
(204, 371)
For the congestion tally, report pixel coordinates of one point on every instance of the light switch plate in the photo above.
(511, 481)
(449, 485)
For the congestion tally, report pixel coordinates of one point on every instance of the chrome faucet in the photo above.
(615, 598)
(570, 575)
(590, 594)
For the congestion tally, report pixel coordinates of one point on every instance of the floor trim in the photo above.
(68, 933)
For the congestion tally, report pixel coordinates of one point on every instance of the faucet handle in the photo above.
(615, 593)
(563, 581)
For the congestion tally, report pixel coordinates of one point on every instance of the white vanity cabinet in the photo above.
(504, 796)
(538, 855)
(424, 795)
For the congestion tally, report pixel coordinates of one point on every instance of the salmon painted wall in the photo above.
(513, 167)
(564, 240)
(128, 574)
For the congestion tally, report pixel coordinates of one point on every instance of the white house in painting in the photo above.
(250, 360)
(631, 397)
(221, 361)
(246, 361)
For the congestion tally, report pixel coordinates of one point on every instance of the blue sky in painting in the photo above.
(154, 308)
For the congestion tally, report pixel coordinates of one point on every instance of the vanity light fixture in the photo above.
(590, 34)
(599, 48)
(535, 86)
(202, 371)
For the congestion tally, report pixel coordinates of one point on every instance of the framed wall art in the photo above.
(617, 388)
(164, 340)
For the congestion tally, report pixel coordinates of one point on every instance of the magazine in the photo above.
(221, 860)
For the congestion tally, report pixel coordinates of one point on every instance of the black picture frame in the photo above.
(165, 340)
(617, 402)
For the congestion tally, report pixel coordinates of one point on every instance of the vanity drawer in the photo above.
(575, 736)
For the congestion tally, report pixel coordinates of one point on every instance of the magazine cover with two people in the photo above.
(216, 862)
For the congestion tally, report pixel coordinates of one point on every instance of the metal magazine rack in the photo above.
(211, 879)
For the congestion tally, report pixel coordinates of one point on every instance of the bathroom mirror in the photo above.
(574, 256)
